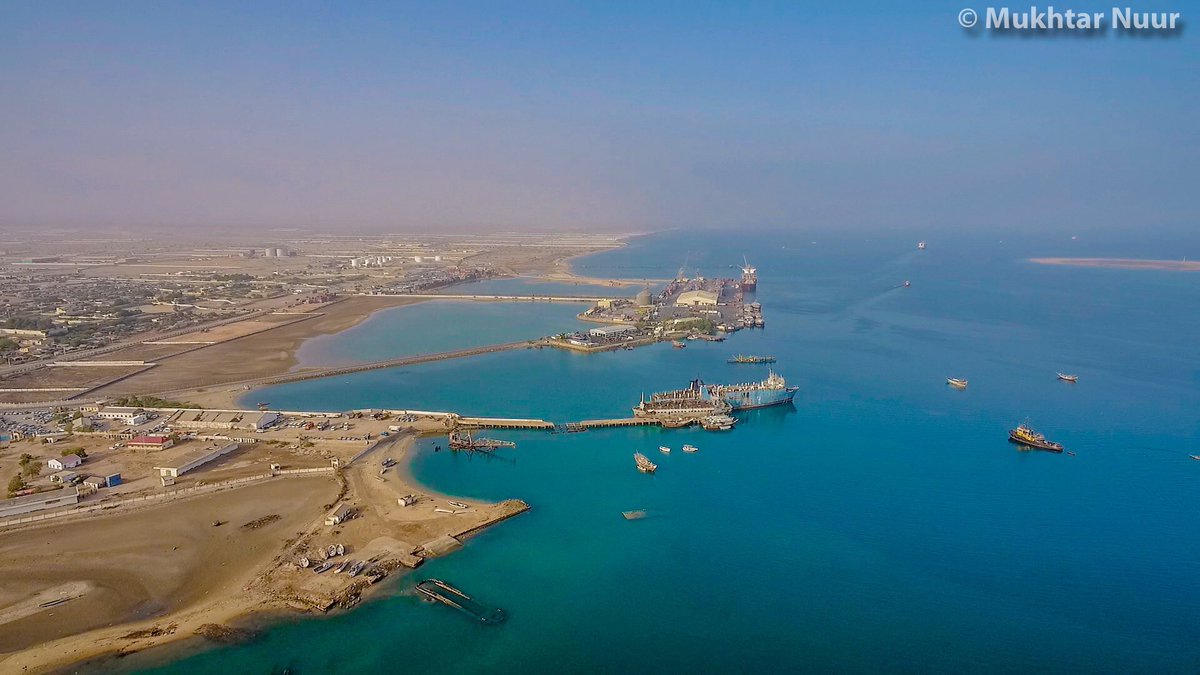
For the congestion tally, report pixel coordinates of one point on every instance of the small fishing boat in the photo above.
(678, 344)
(956, 383)
(341, 550)
(303, 562)
(664, 449)
(458, 505)
(634, 515)
(907, 283)
(644, 464)
(690, 448)
(1196, 457)
(357, 568)
(342, 568)
(1068, 378)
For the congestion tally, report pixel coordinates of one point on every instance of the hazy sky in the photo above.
(607, 115)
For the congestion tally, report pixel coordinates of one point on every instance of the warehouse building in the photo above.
(130, 416)
(611, 331)
(41, 501)
(192, 460)
(696, 299)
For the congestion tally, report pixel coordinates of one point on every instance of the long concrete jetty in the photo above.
(316, 373)
(532, 297)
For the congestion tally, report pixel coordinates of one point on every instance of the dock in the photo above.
(622, 422)
(440, 591)
(502, 423)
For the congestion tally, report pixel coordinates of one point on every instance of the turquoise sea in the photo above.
(882, 523)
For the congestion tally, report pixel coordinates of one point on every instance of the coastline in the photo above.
(251, 599)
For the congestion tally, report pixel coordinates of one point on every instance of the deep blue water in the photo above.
(882, 523)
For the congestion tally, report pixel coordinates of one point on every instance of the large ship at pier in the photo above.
(749, 277)
(692, 402)
(701, 400)
(772, 391)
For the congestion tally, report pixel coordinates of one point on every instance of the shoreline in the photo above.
(1123, 263)
(236, 617)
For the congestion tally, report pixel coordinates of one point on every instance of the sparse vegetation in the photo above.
(154, 402)
(15, 485)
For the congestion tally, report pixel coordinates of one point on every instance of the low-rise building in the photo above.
(41, 501)
(64, 477)
(189, 461)
(130, 416)
(339, 514)
(150, 442)
(611, 331)
(64, 462)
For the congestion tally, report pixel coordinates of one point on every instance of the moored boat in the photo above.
(690, 448)
(677, 344)
(1068, 378)
(751, 359)
(772, 391)
(1023, 435)
(644, 464)
(956, 383)
(664, 449)
(718, 422)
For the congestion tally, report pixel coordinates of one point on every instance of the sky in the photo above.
(606, 116)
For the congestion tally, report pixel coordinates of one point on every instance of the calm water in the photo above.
(440, 326)
(882, 523)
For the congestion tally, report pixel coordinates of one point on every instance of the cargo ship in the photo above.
(752, 359)
(682, 403)
(771, 391)
(749, 277)
(1023, 435)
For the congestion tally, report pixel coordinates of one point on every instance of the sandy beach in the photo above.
(264, 353)
(1124, 263)
(157, 575)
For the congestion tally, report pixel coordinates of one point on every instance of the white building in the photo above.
(695, 298)
(39, 502)
(611, 331)
(65, 462)
(190, 461)
(130, 416)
